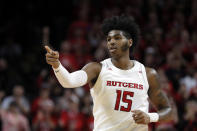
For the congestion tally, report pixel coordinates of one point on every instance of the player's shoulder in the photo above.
(93, 70)
(150, 72)
(153, 78)
(99, 64)
(94, 64)
(93, 67)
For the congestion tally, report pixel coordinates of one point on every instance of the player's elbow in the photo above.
(167, 115)
(170, 116)
(173, 115)
(66, 84)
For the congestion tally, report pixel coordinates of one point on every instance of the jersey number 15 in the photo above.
(124, 99)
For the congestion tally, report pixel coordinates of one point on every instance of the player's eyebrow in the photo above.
(114, 35)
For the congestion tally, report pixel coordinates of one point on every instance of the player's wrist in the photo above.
(154, 117)
(56, 65)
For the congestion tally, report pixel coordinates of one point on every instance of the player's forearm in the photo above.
(70, 80)
(165, 114)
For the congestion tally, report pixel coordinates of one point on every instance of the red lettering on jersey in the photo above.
(135, 85)
(114, 83)
(140, 87)
(108, 83)
(119, 84)
(124, 84)
(130, 85)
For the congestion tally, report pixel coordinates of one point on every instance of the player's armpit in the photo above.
(93, 70)
(158, 97)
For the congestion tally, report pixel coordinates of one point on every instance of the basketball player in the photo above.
(120, 87)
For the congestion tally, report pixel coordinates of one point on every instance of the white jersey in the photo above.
(116, 93)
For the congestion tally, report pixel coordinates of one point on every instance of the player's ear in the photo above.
(130, 42)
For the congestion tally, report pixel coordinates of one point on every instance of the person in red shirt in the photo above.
(73, 119)
(13, 120)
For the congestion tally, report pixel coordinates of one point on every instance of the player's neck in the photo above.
(123, 63)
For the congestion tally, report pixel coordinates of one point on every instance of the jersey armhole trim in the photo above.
(145, 77)
(98, 78)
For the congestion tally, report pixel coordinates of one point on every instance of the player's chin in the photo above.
(112, 53)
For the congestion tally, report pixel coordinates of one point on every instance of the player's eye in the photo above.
(117, 38)
(108, 39)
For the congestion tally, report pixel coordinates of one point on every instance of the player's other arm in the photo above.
(74, 79)
(158, 97)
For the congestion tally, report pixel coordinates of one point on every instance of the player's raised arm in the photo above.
(74, 79)
(158, 97)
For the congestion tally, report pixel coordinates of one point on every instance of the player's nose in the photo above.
(112, 42)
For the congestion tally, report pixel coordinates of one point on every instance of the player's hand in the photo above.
(52, 57)
(140, 117)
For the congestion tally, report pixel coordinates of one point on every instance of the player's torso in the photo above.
(116, 93)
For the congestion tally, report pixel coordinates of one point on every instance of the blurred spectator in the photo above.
(12, 119)
(79, 27)
(87, 105)
(72, 120)
(87, 111)
(167, 88)
(152, 21)
(150, 59)
(101, 52)
(44, 120)
(42, 77)
(2, 95)
(11, 49)
(19, 98)
(3, 64)
(173, 69)
(63, 101)
(67, 58)
(82, 54)
(4, 77)
(39, 102)
(189, 85)
(94, 37)
(190, 117)
(42, 109)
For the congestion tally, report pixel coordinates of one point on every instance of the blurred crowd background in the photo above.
(32, 99)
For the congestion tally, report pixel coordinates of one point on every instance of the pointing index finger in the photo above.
(48, 49)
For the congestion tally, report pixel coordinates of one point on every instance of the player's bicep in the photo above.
(92, 69)
(156, 95)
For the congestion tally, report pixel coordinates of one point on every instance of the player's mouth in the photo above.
(112, 49)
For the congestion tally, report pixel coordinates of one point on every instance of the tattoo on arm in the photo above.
(158, 97)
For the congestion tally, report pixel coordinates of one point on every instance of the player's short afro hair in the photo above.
(123, 23)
